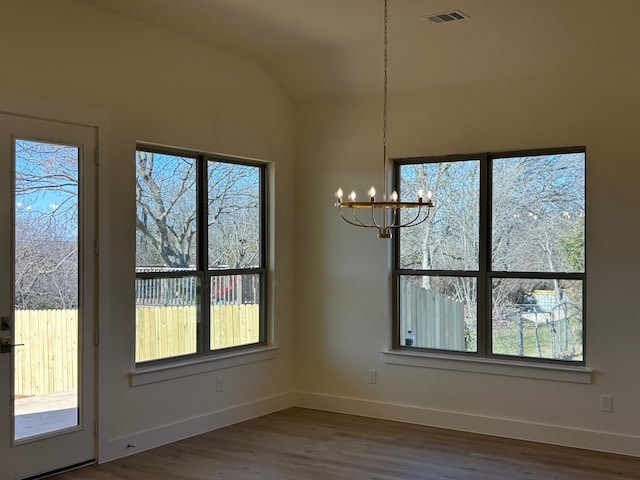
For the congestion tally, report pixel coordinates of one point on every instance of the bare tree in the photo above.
(46, 225)
(234, 215)
(167, 212)
(536, 220)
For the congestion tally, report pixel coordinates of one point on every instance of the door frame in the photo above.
(52, 110)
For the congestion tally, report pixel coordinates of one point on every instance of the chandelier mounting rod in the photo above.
(390, 207)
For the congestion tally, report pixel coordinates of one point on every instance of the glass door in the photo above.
(47, 271)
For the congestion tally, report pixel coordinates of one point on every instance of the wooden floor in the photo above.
(306, 444)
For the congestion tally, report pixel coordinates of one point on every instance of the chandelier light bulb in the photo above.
(352, 196)
(420, 194)
(429, 194)
(372, 192)
(394, 196)
(339, 194)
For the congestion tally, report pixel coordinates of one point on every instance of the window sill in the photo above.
(489, 366)
(161, 373)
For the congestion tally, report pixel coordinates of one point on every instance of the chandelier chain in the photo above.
(384, 96)
(390, 218)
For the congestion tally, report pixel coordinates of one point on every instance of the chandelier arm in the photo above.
(416, 220)
(357, 222)
(394, 216)
(374, 220)
(415, 223)
(360, 222)
(411, 222)
(426, 217)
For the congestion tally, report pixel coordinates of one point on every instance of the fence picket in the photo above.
(436, 321)
(48, 363)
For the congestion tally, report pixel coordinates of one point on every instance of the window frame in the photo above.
(484, 275)
(203, 272)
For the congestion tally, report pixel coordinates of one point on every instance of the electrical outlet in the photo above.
(606, 403)
(219, 384)
(373, 377)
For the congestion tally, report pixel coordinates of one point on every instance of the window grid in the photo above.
(202, 271)
(484, 275)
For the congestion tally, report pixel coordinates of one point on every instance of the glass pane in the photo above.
(439, 312)
(448, 240)
(538, 213)
(235, 310)
(167, 315)
(537, 318)
(234, 215)
(46, 287)
(166, 209)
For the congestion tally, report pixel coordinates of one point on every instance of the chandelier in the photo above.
(384, 215)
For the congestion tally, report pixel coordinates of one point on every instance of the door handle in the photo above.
(6, 345)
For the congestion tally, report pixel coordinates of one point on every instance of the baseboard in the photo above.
(502, 427)
(163, 435)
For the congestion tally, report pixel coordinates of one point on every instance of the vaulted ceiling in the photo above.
(334, 47)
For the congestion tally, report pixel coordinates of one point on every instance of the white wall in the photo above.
(151, 85)
(343, 275)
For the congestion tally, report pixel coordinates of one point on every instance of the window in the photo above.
(498, 270)
(200, 254)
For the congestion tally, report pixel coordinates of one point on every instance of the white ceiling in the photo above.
(334, 47)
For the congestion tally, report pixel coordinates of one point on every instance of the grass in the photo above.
(561, 341)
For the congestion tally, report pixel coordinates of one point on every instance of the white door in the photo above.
(47, 290)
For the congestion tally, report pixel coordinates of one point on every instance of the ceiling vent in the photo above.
(446, 17)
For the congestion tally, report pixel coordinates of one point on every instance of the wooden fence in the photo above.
(171, 331)
(224, 289)
(436, 320)
(48, 361)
